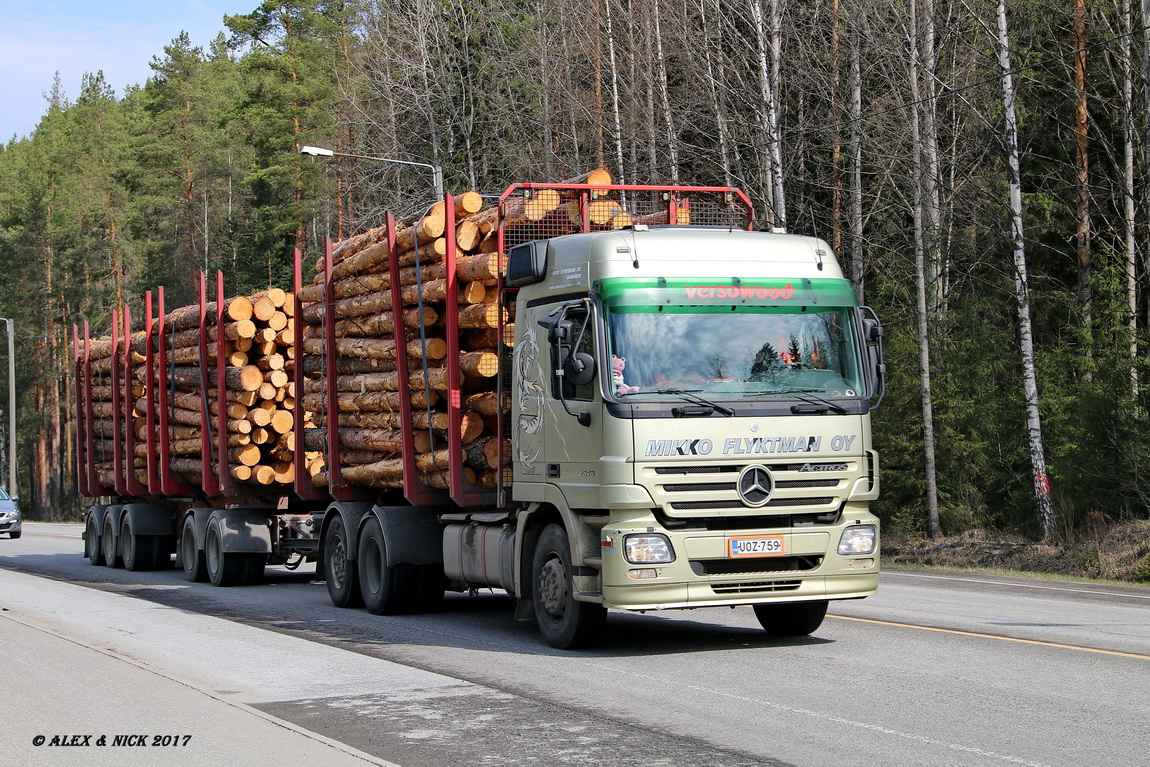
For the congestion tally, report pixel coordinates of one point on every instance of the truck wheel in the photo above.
(92, 548)
(163, 545)
(791, 619)
(109, 544)
(566, 623)
(430, 583)
(138, 551)
(253, 569)
(386, 590)
(224, 568)
(342, 578)
(192, 559)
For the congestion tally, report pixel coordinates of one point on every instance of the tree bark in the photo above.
(1022, 298)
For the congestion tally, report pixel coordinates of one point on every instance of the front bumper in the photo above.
(702, 574)
(10, 525)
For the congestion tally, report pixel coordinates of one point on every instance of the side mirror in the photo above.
(872, 336)
(579, 368)
(526, 264)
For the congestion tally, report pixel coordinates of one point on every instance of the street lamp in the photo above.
(437, 172)
(13, 488)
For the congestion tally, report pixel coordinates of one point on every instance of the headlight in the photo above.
(857, 540)
(647, 548)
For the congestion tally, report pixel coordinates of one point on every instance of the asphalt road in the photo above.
(935, 670)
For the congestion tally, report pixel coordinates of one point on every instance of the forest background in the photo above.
(982, 169)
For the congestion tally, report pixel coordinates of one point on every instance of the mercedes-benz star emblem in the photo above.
(755, 486)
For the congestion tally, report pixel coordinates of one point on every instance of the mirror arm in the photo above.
(584, 419)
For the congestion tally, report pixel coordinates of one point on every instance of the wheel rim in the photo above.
(337, 567)
(553, 588)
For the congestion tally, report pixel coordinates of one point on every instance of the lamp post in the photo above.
(13, 488)
(436, 171)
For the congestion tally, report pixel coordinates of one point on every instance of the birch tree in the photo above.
(1021, 286)
(921, 245)
(769, 121)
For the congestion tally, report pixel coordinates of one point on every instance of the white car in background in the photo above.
(9, 515)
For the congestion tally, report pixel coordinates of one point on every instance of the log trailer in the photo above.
(588, 396)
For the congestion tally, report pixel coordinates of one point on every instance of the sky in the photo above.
(39, 38)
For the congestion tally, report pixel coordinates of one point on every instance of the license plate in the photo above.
(756, 546)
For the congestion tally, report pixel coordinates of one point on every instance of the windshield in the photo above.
(736, 350)
(4, 495)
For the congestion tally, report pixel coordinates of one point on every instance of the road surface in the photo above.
(936, 670)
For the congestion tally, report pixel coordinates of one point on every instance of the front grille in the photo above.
(697, 469)
(703, 490)
(744, 523)
(699, 488)
(759, 587)
(754, 565)
(774, 503)
(803, 483)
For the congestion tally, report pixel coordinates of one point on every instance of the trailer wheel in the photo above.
(138, 551)
(191, 558)
(386, 590)
(253, 569)
(224, 568)
(566, 623)
(342, 578)
(92, 548)
(109, 544)
(163, 546)
(791, 619)
(430, 583)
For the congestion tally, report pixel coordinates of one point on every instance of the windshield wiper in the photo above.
(691, 396)
(821, 405)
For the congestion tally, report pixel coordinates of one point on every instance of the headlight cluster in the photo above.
(647, 549)
(857, 540)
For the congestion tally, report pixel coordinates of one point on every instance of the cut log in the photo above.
(247, 378)
(187, 317)
(247, 455)
(484, 364)
(468, 204)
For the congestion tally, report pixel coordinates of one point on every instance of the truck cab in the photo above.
(692, 404)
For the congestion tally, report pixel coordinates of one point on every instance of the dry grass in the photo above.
(1116, 552)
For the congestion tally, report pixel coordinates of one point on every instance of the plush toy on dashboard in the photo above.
(617, 365)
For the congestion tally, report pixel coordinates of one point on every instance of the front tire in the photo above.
(342, 577)
(791, 619)
(565, 622)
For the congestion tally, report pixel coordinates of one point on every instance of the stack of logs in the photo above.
(368, 408)
(261, 348)
(367, 420)
(259, 396)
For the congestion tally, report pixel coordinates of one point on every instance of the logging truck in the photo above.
(587, 395)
